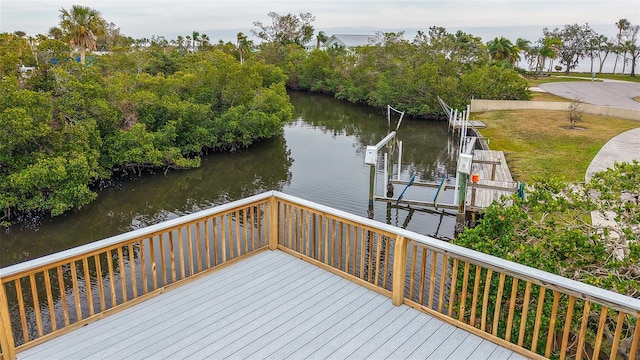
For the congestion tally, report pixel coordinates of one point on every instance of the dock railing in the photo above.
(532, 312)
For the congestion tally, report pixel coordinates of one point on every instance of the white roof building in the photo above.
(349, 41)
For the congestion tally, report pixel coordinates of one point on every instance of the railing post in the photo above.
(273, 223)
(6, 334)
(399, 270)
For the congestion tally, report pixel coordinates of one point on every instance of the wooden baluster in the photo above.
(496, 313)
(76, 291)
(333, 242)
(463, 297)
(21, 310)
(386, 261)
(132, 269)
(399, 270)
(7, 342)
(112, 283)
(603, 319)
(512, 308)
(536, 327)
(152, 254)
(362, 246)
(230, 223)
(326, 240)
(341, 240)
(87, 284)
(452, 290)
(223, 240)
(143, 267)
(99, 281)
(423, 275)
(214, 230)
(583, 329)
(36, 303)
(616, 336)
(207, 246)
(123, 275)
(50, 304)
(414, 254)
(525, 310)
(432, 281)
(237, 227)
(635, 343)
(347, 255)
(377, 262)
(552, 324)
(198, 247)
(246, 230)
(181, 254)
(485, 299)
(476, 293)
(163, 260)
(63, 295)
(443, 277)
(190, 250)
(567, 327)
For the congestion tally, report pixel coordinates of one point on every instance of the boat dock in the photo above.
(493, 180)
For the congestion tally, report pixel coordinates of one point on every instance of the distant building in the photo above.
(349, 41)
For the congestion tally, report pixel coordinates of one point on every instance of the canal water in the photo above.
(320, 157)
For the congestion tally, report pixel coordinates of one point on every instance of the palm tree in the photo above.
(196, 39)
(524, 45)
(242, 45)
(82, 26)
(321, 39)
(501, 49)
(548, 50)
(55, 33)
(625, 50)
(204, 40)
(622, 25)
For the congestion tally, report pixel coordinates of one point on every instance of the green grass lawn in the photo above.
(538, 143)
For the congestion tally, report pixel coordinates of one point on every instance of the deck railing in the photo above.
(529, 311)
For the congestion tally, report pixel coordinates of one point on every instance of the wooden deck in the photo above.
(270, 305)
(495, 179)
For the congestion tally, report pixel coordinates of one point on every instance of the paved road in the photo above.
(617, 94)
(622, 148)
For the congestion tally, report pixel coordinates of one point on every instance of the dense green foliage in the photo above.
(407, 75)
(67, 126)
(552, 229)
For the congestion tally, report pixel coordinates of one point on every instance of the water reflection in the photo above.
(320, 157)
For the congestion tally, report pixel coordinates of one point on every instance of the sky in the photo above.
(223, 19)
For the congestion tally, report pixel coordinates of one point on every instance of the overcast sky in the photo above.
(223, 19)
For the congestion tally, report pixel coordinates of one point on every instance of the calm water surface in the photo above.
(320, 157)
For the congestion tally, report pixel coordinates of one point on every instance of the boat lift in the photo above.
(464, 149)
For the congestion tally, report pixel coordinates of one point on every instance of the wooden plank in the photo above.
(268, 305)
(468, 348)
(164, 312)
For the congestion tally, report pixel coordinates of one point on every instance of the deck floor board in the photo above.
(268, 306)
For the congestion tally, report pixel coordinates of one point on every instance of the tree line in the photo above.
(68, 128)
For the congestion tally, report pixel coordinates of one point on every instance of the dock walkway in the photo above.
(269, 305)
(495, 180)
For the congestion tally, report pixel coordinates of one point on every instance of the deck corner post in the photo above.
(399, 270)
(273, 223)
(6, 333)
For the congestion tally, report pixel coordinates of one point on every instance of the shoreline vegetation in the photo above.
(157, 104)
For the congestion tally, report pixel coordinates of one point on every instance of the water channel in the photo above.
(319, 157)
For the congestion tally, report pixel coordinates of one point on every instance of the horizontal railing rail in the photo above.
(47, 296)
(530, 311)
(527, 310)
